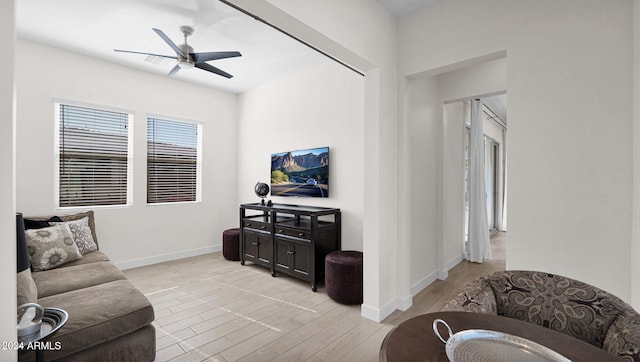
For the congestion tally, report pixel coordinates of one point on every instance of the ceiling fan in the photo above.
(186, 57)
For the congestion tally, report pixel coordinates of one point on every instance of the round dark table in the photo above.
(414, 339)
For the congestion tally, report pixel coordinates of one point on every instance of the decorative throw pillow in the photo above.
(92, 222)
(81, 234)
(51, 247)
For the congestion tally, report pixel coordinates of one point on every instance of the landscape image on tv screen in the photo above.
(302, 173)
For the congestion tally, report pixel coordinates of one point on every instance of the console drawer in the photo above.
(296, 233)
(257, 225)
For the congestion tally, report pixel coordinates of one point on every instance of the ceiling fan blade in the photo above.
(174, 70)
(155, 55)
(203, 57)
(212, 69)
(168, 41)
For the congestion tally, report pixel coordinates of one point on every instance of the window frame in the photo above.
(57, 153)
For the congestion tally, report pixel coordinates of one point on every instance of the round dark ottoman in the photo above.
(343, 276)
(231, 244)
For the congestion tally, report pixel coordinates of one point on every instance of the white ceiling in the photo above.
(404, 7)
(95, 28)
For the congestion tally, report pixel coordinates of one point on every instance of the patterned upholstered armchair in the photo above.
(563, 304)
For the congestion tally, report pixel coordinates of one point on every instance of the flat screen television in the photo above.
(303, 173)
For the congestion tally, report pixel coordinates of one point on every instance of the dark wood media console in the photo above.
(289, 239)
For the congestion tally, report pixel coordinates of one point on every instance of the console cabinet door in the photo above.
(257, 247)
(281, 257)
(292, 258)
(301, 260)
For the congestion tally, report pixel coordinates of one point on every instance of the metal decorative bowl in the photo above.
(51, 319)
(29, 321)
(481, 345)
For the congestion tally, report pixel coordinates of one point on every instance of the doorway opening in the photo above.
(494, 127)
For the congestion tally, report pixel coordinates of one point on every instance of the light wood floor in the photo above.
(208, 308)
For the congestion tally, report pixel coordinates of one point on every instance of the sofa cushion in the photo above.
(82, 235)
(62, 280)
(98, 314)
(136, 346)
(95, 257)
(50, 247)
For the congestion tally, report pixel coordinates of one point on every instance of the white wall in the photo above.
(451, 189)
(362, 33)
(322, 106)
(369, 31)
(139, 234)
(473, 79)
(635, 246)
(570, 121)
(7, 179)
(419, 158)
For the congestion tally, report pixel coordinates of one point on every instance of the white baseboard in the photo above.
(437, 275)
(377, 315)
(136, 263)
(444, 274)
(455, 261)
(404, 303)
(417, 288)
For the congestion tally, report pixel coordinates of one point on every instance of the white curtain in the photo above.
(479, 247)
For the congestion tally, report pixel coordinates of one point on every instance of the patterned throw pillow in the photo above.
(81, 234)
(51, 247)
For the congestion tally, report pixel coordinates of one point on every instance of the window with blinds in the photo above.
(172, 161)
(93, 156)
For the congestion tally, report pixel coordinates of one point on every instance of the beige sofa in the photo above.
(109, 319)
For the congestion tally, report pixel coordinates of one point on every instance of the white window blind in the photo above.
(172, 161)
(93, 156)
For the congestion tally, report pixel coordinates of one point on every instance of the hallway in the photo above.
(434, 297)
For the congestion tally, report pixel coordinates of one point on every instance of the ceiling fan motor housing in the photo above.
(185, 62)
